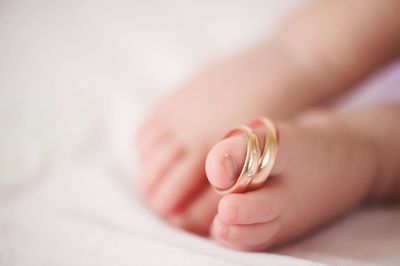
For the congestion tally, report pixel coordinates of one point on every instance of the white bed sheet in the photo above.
(76, 79)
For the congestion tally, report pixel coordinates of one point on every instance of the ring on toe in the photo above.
(257, 166)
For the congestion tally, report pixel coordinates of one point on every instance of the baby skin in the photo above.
(308, 61)
(327, 164)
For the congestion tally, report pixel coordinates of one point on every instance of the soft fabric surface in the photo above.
(76, 80)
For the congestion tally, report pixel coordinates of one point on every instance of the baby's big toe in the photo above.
(225, 161)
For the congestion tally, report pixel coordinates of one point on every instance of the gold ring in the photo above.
(257, 166)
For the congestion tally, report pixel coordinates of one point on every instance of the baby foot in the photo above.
(321, 171)
(297, 68)
(174, 142)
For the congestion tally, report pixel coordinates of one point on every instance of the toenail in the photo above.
(230, 168)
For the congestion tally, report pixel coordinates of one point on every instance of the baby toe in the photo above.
(157, 165)
(198, 216)
(260, 206)
(151, 142)
(224, 161)
(185, 178)
(245, 237)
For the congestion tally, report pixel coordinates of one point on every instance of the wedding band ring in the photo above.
(257, 166)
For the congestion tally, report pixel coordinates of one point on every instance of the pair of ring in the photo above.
(258, 164)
